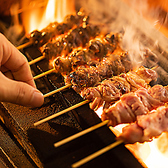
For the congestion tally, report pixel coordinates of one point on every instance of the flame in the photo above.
(152, 154)
(38, 18)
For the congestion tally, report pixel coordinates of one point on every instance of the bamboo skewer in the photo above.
(44, 73)
(25, 45)
(57, 90)
(96, 154)
(61, 112)
(36, 60)
(57, 144)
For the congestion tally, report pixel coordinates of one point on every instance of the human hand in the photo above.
(16, 81)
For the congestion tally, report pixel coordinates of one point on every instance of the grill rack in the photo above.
(39, 141)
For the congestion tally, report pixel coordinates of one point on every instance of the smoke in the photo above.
(116, 16)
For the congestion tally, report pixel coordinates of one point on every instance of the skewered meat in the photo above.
(76, 37)
(87, 76)
(135, 103)
(55, 28)
(95, 50)
(110, 90)
(147, 126)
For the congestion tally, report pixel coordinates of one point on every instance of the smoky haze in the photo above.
(116, 16)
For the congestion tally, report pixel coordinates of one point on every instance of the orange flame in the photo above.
(38, 18)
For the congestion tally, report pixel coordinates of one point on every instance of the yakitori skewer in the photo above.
(96, 49)
(65, 44)
(60, 113)
(96, 154)
(57, 144)
(39, 38)
(108, 66)
(147, 127)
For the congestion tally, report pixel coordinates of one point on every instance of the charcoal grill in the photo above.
(35, 144)
(38, 141)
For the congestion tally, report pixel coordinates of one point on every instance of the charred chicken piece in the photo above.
(83, 77)
(136, 103)
(77, 37)
(55, 28)
(110, 90)
(89, 76)
(146, 127)
(96, 50)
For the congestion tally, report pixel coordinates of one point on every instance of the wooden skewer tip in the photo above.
(24, 45)
(66, 140)
(36, 60)
(44, 73)
(57, 90)
(96, 154)
(61, 112)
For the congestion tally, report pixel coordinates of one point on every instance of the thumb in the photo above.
(19, 93)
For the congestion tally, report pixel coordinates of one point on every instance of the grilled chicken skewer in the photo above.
(89, 76)
(110, 90)
(145, 77)
(95, 50)
(94, 71)
(147, 126)
(39, 38)
(64, 44)
(134, 104)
